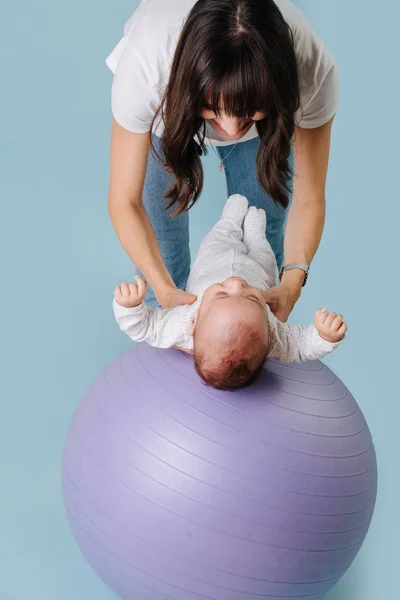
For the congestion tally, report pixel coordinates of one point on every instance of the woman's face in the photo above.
(227, 127)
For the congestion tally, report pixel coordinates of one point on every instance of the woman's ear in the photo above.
(194, 322)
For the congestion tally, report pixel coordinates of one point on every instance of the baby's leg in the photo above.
(228, 233)
(258, 247)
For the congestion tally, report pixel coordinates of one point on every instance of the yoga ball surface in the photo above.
(176, 491)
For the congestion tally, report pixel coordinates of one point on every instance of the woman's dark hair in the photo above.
(238, 53)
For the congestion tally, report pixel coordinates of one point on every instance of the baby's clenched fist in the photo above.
(130, 295)
(330, 326)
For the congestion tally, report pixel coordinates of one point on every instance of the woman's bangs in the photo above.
(239, 92)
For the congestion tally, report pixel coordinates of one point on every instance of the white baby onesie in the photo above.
(227, 250)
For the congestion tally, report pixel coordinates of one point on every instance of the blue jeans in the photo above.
(173, 232)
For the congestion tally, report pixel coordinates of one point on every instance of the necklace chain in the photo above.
(221, 164)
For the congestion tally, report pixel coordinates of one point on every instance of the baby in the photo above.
(230, 329)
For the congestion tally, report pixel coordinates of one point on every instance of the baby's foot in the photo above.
(255, 224)
(235, 208)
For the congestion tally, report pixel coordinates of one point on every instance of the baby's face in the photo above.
(233, 300)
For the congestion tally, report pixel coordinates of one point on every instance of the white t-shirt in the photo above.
(142, 59)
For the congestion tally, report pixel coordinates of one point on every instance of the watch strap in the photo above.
(296, 265)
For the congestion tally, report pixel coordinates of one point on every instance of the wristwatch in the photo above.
(296, 265)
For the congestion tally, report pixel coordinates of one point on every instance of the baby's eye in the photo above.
(253, 298)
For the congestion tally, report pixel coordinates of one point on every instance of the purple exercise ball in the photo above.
(176, 491)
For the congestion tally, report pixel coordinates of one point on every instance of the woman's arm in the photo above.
(128, 163)
(306, 215)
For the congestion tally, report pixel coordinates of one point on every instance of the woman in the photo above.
(248, 79)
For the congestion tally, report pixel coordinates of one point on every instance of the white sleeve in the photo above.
(133, 99)
(322, 105)
(293, 343)
(318, 75)
(156, 326)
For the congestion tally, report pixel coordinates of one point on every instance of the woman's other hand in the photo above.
(172, 297)
(281, 301)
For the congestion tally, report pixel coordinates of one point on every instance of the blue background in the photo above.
(61, 261)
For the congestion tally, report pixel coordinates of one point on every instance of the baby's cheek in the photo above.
(207, 296)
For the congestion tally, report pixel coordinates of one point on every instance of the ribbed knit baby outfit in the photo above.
(226, 251)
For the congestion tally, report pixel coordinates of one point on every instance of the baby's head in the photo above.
(230, 334)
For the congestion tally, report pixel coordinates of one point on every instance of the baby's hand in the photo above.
(129, 295)
(330, 326)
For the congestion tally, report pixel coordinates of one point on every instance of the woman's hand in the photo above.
(172, 297)
(281, 300)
